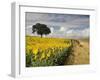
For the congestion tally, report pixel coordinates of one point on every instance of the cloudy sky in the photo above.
(61, 25)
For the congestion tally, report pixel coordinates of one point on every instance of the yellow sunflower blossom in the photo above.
(35, 51)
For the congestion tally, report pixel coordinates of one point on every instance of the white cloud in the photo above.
(52, 30)
(60, 25)
(62, 29)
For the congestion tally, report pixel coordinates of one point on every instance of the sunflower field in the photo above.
(46, 51)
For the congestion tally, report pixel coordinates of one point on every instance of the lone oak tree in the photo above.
(41, 29)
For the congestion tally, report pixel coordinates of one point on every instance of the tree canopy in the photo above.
(41, 29)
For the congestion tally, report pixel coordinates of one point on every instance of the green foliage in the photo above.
(29, 59)
(53, 60)
(41, 29)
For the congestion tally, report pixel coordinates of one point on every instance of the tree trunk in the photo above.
(41, 35)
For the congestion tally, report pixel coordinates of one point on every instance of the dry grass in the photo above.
(80, 53)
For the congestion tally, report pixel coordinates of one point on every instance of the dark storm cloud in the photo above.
(60, 24)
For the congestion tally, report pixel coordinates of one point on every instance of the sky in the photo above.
(61, 25)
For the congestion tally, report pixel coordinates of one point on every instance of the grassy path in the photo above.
(79, 54)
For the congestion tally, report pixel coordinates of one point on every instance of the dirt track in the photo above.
(79, 54)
